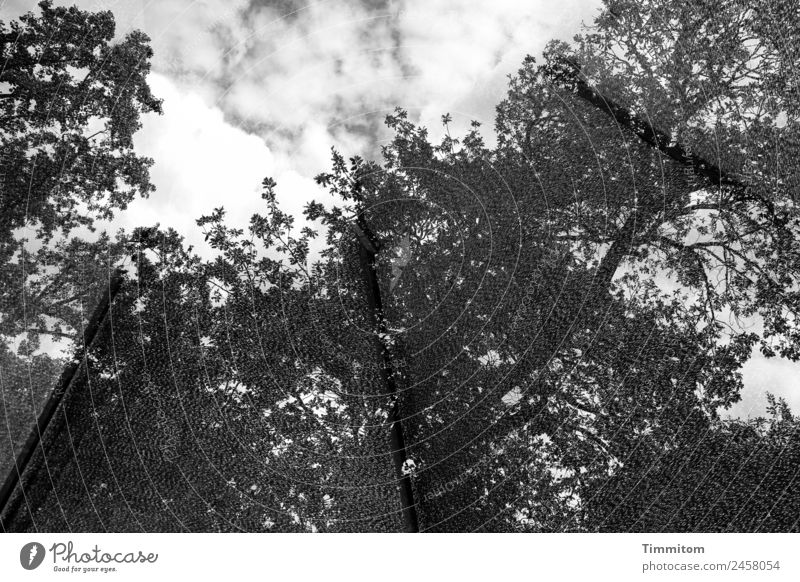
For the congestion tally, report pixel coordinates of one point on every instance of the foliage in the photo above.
(591, 280)
(730, 477)
(72, 98)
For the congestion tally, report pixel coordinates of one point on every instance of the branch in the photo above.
(572, 401)
(65, 300)
(71, 336)
(593, 437)
(695, 207)
(623, 242)
(567, 318)
(568, 75)
(701, 264)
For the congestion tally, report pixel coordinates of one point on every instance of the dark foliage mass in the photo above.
(70, 102)
(541, 335)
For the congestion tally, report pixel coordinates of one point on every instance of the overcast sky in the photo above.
(256, 88)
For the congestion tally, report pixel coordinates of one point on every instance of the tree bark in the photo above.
(368, 250)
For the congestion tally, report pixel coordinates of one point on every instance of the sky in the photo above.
(256, 88)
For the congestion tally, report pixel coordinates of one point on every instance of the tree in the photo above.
(713, 84)
(489, 284)
(71, 98)
(594, 196)
(226, 395)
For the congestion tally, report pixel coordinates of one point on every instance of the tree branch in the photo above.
(567, 74)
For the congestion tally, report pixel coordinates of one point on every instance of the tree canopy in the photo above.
(598, 272)
(527, 336)
(71, 98)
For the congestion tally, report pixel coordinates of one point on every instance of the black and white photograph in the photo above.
(399, 266)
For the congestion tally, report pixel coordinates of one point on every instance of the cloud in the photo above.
(201, 162)
(289, 71)
(286, 71)
(761, 375)
(302, 78)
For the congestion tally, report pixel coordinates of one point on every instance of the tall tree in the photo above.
(71, 98)
(597, 202)
(515, 368)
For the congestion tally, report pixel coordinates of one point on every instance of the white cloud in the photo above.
(298, 74)
(201, 162)
(461, 53)
(761, 375)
